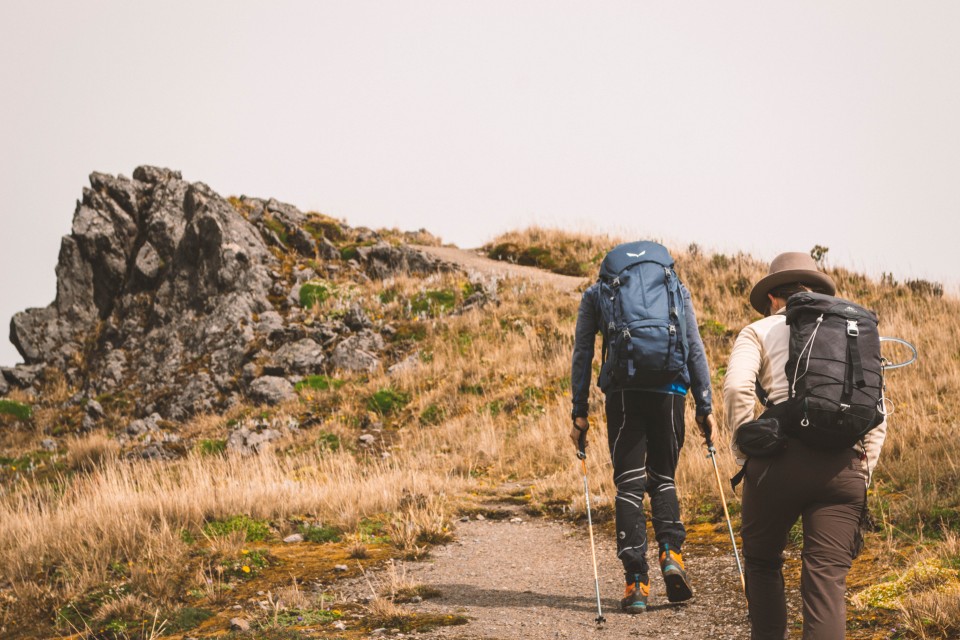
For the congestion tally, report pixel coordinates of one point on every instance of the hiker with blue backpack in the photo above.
(814, 363)
(652, 355)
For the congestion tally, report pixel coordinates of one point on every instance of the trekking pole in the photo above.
(723, 500)
(582, 454)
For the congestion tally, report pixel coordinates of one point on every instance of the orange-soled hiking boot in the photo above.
(674, 575)
(635, 597)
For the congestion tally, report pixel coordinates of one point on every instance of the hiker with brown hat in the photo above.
(825, 487)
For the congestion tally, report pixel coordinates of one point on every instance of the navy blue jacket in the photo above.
(696, 371)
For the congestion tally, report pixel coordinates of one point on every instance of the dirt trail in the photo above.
(471, 261)
(534, 579)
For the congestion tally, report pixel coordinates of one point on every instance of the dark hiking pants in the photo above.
(645, 430)
(827, 490)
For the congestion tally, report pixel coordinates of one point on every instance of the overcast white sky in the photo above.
(761, 126)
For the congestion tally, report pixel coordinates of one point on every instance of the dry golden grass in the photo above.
(486, 403)
(86, 453)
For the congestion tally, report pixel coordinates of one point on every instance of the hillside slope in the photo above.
(219, 375)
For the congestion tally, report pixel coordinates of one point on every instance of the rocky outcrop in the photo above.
(182, 301)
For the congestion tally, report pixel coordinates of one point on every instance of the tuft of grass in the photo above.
(86, 453)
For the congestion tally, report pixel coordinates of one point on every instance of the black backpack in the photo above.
(641, 307)
(834, 370)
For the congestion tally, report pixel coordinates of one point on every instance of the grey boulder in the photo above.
(271, 390)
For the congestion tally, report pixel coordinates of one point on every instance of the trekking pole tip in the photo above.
(600, 621)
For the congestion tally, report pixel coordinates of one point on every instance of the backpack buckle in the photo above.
(673, 330)
(852, 330)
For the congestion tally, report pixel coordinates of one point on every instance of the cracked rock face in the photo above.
(173, 299)
(159, 282)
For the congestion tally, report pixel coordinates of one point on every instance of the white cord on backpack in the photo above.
(793, 387)
(882, 408)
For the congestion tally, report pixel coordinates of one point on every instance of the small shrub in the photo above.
(254, 530)
(925, 288)
(18, 410)
(387, 401)
(313, 293)
(819, 254)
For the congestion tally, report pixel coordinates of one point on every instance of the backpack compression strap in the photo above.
(854, 374)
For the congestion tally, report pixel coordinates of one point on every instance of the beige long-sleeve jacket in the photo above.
(760, 355)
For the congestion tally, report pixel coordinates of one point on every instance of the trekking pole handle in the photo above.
(581, 440)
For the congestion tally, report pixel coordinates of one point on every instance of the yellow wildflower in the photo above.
(246, 569)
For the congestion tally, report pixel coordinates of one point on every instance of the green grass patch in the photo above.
(249, 563)
(321, 534)
(18, 410)
(277, 227)
(186, 619)
(433, 302)
(297, 618)
(327, 441)
(433, 414)
(321, 226)
(313, 293)
(319, 383)
(387, 401)
(254, 530)
(413, 331)
(213, 447)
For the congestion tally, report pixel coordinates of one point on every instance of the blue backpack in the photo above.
(641, 307)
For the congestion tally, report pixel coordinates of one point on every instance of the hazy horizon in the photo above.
(741, 126)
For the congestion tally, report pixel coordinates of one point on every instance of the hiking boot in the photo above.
(671, 564)
(635, 597)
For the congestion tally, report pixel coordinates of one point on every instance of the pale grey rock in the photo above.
(144, 425)
(383, 260)
(301, 357)
(94, 409)
(367, 439)
(148, 263)
(239, 624)
(271, 390)
(22, 375)
(358, 352)
(293, 538)
(48, 444)
(410, 363)
(246, 441)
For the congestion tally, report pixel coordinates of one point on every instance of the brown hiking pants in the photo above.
(827, 490)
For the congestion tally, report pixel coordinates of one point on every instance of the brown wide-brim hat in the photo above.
(790, 268)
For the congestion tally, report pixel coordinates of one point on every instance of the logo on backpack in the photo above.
(644, 328)
(835, 372)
